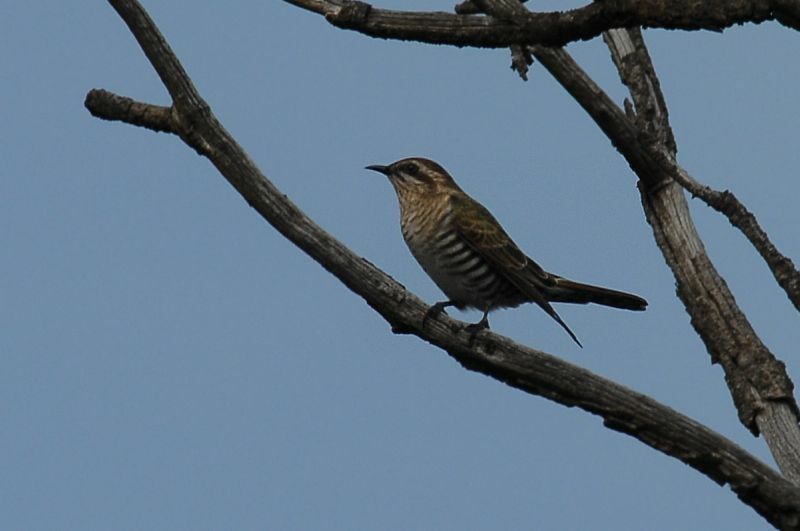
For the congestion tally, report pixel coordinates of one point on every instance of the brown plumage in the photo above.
(466, 252)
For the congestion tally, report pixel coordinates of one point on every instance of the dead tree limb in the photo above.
(761, 389)
(549, 29)
(762, 371)
(532, 371)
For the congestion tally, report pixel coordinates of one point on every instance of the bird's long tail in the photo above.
(552, 313)
(577, 293)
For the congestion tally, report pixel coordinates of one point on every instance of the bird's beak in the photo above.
(378, 168)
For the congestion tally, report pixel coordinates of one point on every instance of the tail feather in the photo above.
(552, 313)
(558, 319)
(577, 293)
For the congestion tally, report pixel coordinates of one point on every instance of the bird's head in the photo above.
(417, 176)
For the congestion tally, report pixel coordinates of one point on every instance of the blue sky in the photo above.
(170, 362)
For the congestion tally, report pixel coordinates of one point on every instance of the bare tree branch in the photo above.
(551, 29)
(725, 202)
(477, 7)
(635, 67)
(509, 10)
(109, 106)
(607, 115)
(651, 131)
(503, 9)
(787, 12)
(651, 118)
(529, 370)
(754, 376)
(633, 62)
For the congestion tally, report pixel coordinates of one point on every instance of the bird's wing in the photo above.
(484, 234)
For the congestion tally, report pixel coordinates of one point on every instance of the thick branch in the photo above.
(607, 115)
(551, 29)
(477, 7)
(753, 374)
(787, 12)
(636, 70)
(652, 121)
(498, 357)
(524, 368)
(510, 10)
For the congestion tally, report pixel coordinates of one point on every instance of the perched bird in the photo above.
(466, 252)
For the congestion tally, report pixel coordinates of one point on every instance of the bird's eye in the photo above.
(410, 168)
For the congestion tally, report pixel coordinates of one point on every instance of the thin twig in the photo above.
(726, 203)
(511, 11)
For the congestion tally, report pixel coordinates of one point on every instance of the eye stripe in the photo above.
(410, 168)
(411, 171)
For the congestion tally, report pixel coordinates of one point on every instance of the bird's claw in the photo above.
(434, 312)
(474, 328)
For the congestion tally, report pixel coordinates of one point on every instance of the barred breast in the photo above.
(461, 273)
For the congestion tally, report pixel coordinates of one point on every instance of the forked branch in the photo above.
(524, 368)
(758, 382)
(783, 269)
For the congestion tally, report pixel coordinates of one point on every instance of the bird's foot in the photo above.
(474, 328)
(434, 311)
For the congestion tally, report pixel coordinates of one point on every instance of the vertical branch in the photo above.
(759, 384)
(636, 70)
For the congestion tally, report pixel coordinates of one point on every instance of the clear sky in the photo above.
(168, 361)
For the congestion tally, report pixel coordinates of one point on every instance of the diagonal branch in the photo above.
(602, 109)
(651, 119)
(726, 203)
(550, 29)
(759, 384)
(523, 368)
(775, 419)
(753, 374)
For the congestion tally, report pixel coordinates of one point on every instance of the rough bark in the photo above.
(750, 369)
(756, 378)
(758, 382)
(524, 368)
(550, 29)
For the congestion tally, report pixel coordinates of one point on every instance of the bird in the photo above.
(471, 258)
